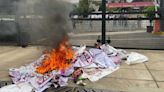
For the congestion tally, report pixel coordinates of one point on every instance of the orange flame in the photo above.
(58, 59)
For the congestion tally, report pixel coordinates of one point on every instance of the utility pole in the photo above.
(103, 21)
(162, 15)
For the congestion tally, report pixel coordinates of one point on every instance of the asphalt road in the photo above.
(127, 39)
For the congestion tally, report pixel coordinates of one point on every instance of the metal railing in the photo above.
(111, 26)
(115, 21)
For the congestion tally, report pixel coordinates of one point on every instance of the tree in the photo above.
(150, 15)
(83, 8)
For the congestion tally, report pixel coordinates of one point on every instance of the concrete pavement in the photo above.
(13, 56)
(146, 76)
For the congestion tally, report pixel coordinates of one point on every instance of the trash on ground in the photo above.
(76, 63)
(134, 58)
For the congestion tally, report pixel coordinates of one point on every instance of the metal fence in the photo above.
(112, 26)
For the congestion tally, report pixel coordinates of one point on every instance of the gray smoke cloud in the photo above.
(46, 21)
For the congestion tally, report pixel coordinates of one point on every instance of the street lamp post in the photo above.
(103, 21)
(162, 15)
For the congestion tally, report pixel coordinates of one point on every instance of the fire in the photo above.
(58, 59)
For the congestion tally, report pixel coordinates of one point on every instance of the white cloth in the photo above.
(84, 60)
(22, 87)
(109, 50)
(122, 53)
(79, 50)
(94, 58)
(101, 59)
(39, 82)
(94, 74)
(95, 64)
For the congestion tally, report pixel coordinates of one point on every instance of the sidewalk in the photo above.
(145, 76)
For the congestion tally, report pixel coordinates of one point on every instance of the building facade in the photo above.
(124, 0)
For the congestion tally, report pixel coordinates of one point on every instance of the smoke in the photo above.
(45, 21)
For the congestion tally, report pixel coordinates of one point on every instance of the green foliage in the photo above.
(83, 8)
(75, 8)
(149, 9)
(100, 7)
(96, 3)
(113, 9)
